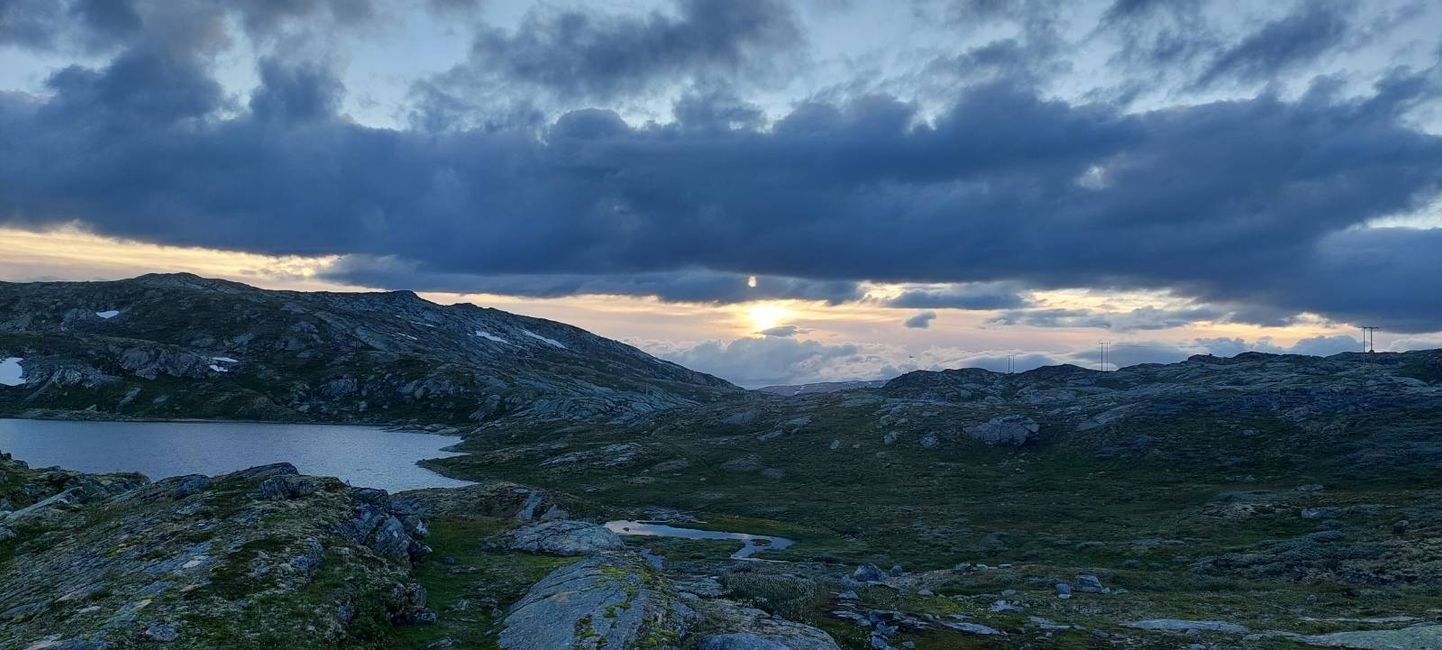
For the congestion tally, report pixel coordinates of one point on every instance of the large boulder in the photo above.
(1007, 430)
(562, 537)
(611, 600)
(732, 626)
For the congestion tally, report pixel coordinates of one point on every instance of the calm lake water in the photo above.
(361, 456)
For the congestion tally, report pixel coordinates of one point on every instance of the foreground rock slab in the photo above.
(611, 600)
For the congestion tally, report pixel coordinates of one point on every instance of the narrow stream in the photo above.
(752, 544)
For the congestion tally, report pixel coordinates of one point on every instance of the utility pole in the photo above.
(1369, 338)
(1104, 356)
(1011, 364)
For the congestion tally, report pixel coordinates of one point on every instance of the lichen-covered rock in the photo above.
(483, 499)
(195, 563)
(612, 600)
(562, 537)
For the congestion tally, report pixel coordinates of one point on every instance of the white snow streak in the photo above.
(538, 337)
(491, 337)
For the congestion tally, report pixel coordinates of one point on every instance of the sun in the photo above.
(766, 316)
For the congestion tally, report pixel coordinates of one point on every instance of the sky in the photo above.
(773, 192)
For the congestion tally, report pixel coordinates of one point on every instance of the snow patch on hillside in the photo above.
(543, 339)
(491, 337)
(107, 315)
(11, 374)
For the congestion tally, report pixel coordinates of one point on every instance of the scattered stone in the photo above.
(971, 628)
(868, 573)
(1322, 512)
(160, 632)
(1091, 585)
(1063, 590)
(1180, 625)
(1048, 625)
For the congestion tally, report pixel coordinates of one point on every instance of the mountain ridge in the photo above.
(376, 357)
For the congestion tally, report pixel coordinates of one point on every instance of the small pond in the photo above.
(752, 544)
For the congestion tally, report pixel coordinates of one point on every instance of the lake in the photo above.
(361, 456)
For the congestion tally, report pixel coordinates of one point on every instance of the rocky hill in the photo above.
(181, 346)
(1259, 501)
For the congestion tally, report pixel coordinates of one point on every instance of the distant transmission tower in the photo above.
(1011, 364)
(1369, 338)
(1104, 356)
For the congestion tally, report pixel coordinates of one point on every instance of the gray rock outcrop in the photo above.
(1007, 430)
(612, 600)
(562, 537)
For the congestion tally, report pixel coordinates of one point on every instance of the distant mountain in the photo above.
(182, 346)
(820, 387)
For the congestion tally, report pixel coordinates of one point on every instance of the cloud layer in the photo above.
(1252, 206)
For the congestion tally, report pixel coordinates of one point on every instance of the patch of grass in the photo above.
(468, 601)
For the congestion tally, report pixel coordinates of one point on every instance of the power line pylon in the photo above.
(1369, 339)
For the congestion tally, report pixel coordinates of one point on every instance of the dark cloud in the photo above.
(140, 89)
(1313, 29)
(717, 110)
(264, 18)
(963, 296)
(783, 331)
(1141, 318)
(1249, 203)
(685, 285)
(56, 24)
(180, 26)
(307, 91)
(582, 54)
(921, 320)
(1159, 36)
